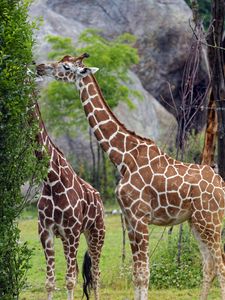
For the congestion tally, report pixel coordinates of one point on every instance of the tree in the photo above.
(204, 10)
(61, 105)
(210, 134)
(216, 62)
(17, 141)
(215, 128)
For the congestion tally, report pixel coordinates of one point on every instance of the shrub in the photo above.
(17, 142)
(165, 270)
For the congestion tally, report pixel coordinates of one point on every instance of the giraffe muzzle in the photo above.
(40, 69)
(43, 69)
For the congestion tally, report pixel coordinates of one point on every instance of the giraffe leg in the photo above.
(70, 245)
(139, 246)
(95, 239)
(220, 267)
(47, 241)
(209, 238)
(209, 270)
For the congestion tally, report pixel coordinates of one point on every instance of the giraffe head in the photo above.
(68, 69)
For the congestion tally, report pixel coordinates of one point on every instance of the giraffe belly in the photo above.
(167, 216)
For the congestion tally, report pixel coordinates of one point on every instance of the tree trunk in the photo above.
(216, 62)
(98, 173)
(210, 134)
(104, 174)
(179, 245)
(93, 158)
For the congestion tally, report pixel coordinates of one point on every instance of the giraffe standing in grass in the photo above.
(154, 188)
(68, 206)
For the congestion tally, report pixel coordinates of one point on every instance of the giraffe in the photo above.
(154, 188)
(68, 206)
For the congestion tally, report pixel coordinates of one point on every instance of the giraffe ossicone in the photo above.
(68, 206)
(154, 188)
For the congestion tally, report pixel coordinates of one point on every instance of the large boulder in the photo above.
(149, 118)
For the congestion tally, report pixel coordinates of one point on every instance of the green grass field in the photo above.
(116, 279)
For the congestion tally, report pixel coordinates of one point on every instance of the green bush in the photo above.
(17, 143)
(165, 270)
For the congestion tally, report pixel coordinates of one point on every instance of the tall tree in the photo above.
(210, 134)
(216, 62)
(17, 142)
(204, 10)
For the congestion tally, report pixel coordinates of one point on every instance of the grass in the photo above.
(116, 279)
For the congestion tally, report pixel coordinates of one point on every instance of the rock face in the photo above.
(161, 27)
(163, 38)
(149, 118)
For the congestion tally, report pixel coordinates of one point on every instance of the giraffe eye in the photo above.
(66, 67)
(84, 71)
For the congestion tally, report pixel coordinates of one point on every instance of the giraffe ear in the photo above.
(94, 70)
(83, 72)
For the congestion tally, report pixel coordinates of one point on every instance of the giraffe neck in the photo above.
(112, 135)
(42, 137)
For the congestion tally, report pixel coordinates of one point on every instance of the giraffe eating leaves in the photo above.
(68, 206)
(154, 188)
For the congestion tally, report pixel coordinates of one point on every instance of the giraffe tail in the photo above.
(87, 276)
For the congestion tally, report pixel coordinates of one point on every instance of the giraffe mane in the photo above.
(43, 124)
(133, 133)
(68, 58)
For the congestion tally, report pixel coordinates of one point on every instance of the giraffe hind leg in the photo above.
(213, 263)
(209, 270)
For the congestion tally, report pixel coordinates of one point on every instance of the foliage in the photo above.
(204, 10)
(17, 143)
(192, 150)
(193, 147)
(165, 270)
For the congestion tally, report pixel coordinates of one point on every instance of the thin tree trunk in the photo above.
(124, 238)
(93, 158)
(179, 244)
(104, 174)
(98, 185)
(189, 100)
(216, 61)
(210, 134)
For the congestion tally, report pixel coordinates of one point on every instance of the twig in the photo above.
(157, 243)
(124, 238)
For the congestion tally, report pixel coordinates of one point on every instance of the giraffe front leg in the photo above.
(139, 247)
(47, 242)
(70, 245)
